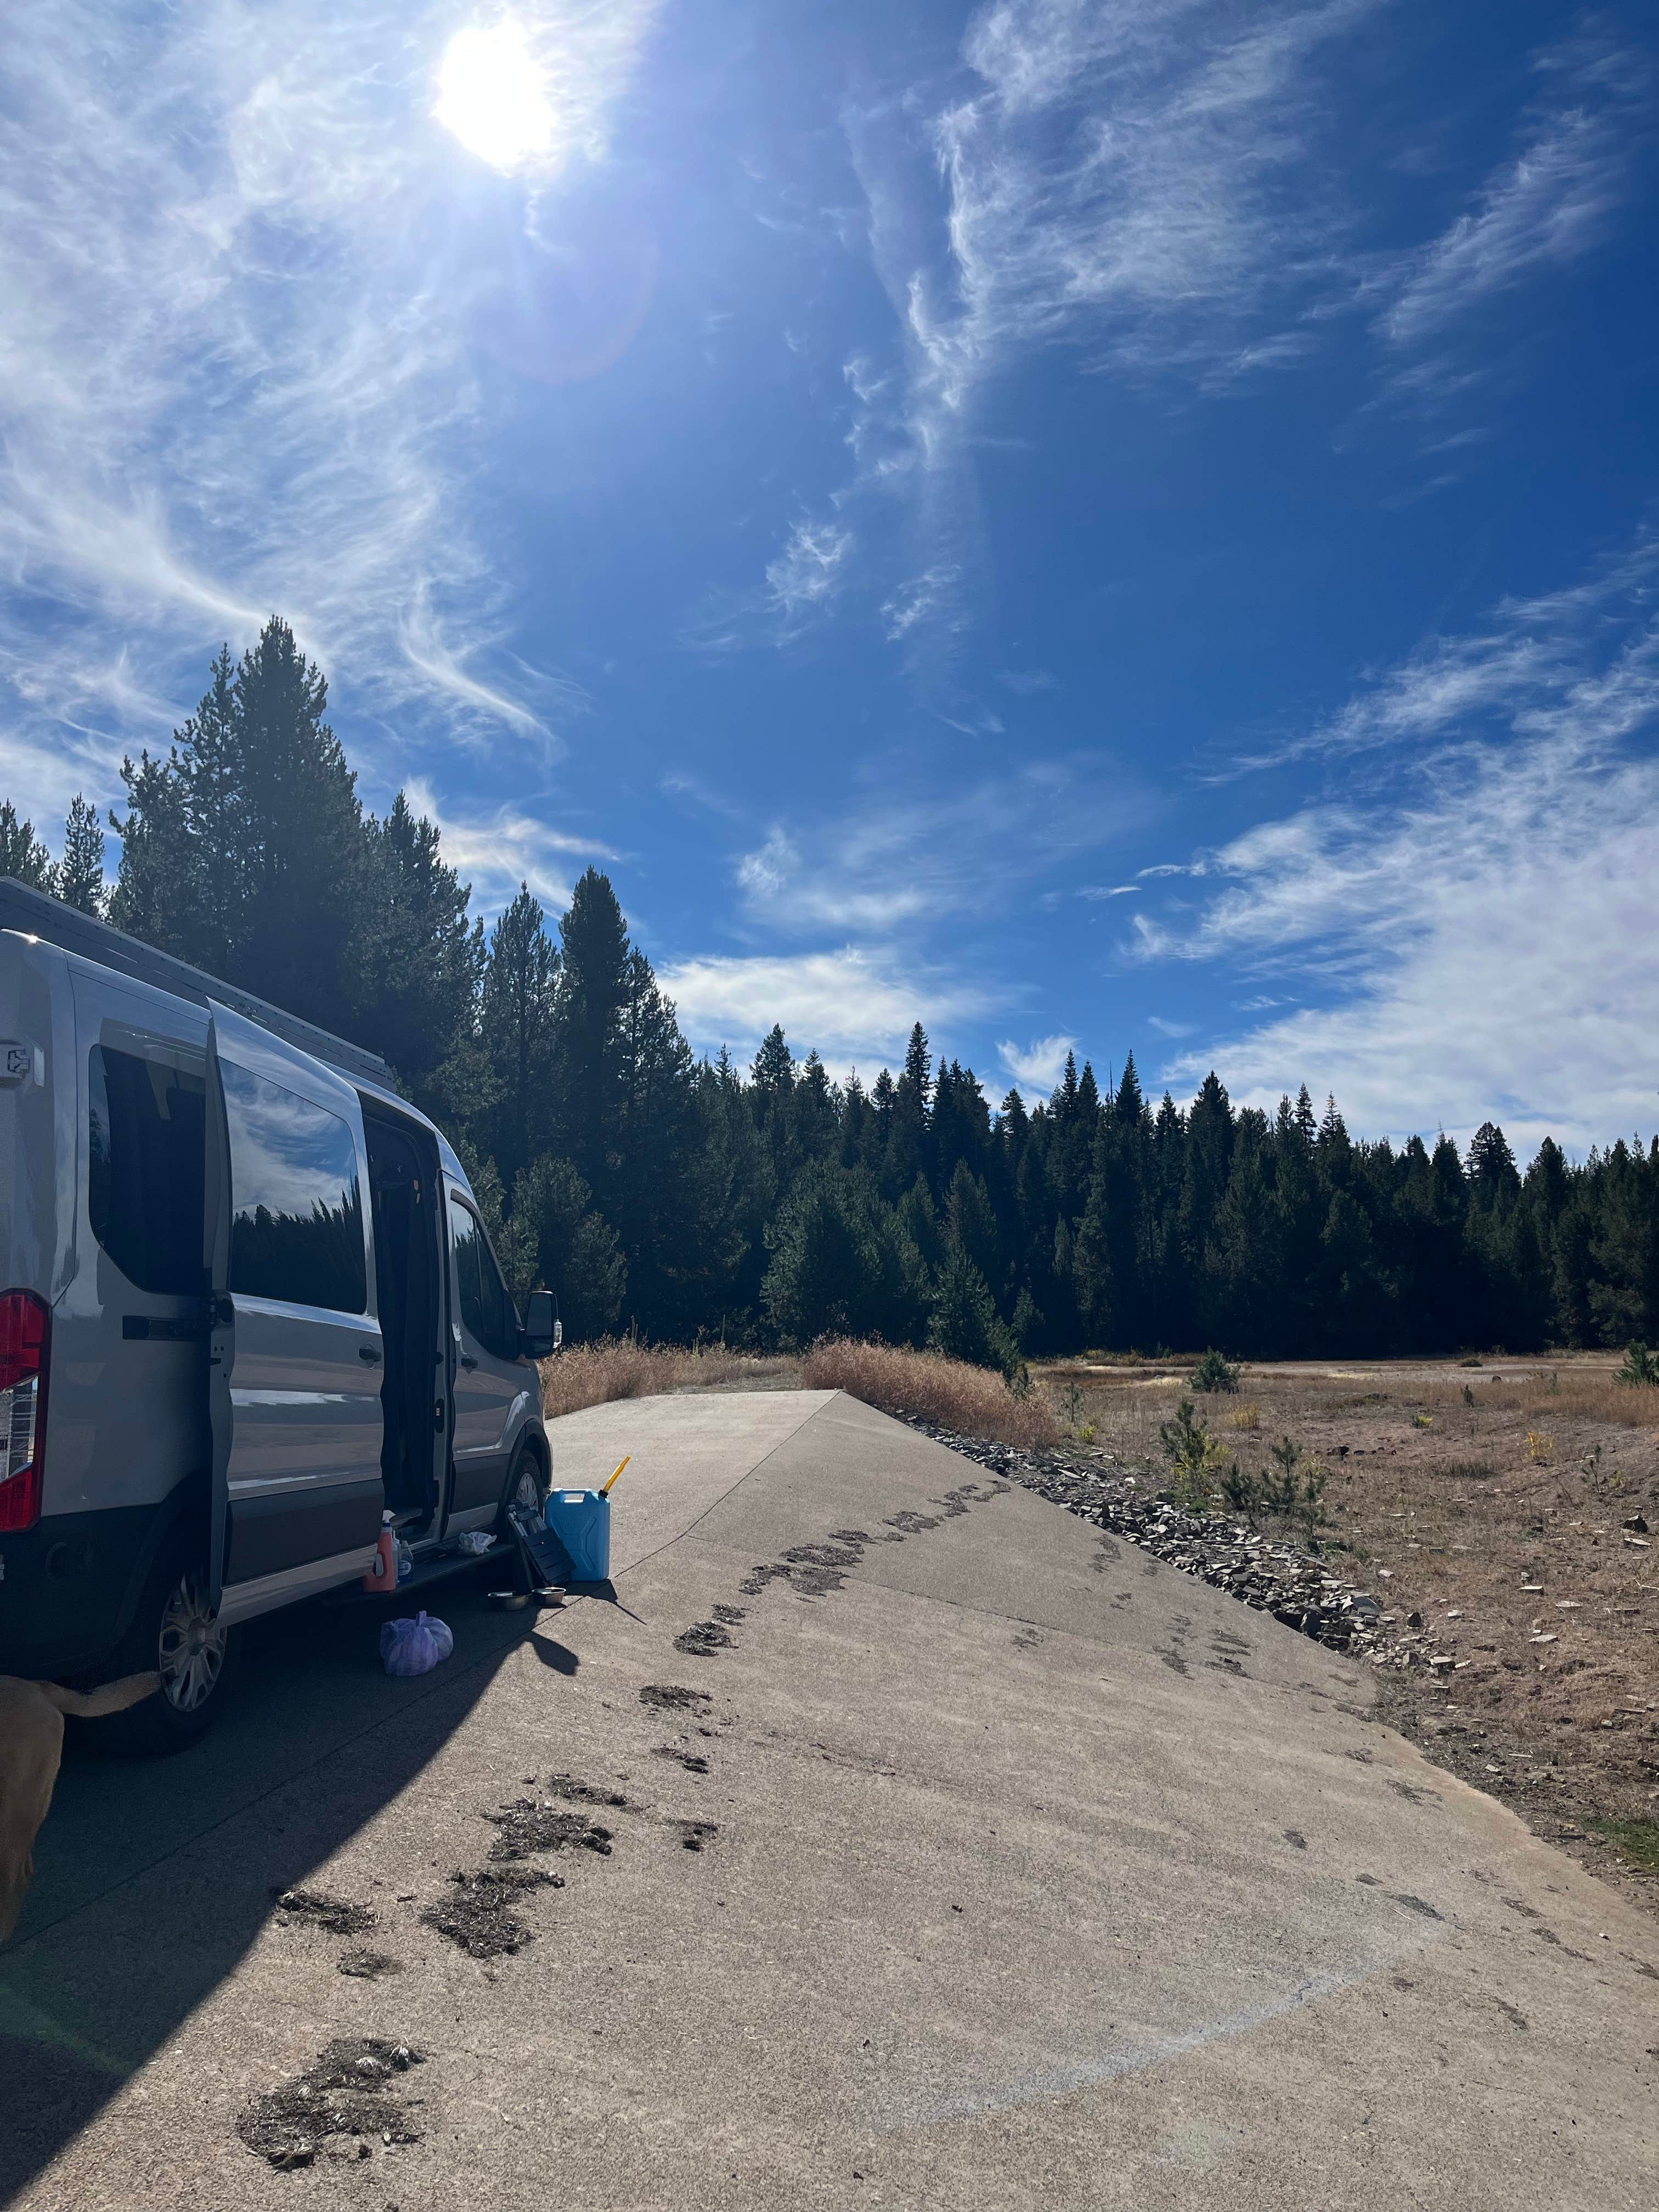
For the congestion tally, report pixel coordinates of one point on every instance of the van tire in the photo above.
(171, 1632)
(526, 1470)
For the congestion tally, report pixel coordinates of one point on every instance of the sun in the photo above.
(492, 94)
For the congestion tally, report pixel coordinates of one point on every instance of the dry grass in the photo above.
(621, 1367)
(612, 1367)
(973, 1400)
(1246, 1418)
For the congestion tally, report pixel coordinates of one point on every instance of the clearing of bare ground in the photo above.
(1500, 1511)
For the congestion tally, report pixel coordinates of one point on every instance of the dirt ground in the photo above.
(1501, 1510)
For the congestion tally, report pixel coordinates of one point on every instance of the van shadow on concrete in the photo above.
(316, 1741)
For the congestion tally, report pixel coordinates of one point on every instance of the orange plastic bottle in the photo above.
(383, 1568)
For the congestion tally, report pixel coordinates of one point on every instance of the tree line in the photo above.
(771, 1204)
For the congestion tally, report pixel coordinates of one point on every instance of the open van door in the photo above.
(295, 1350)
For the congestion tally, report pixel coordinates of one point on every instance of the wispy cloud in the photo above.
(809, 570)
(1136, 182)
(920, 856)
(855, 1006)
(1476, 942)
(804, 582)
(239, 258)
(1582, 652)
(1038, 1065)
(1545, 208)
(498, 851)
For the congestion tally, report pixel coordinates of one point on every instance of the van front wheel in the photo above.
(174, 1633)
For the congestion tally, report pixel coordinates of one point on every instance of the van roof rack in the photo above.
(37, 913)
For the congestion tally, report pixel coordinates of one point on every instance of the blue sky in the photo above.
(1131, 525)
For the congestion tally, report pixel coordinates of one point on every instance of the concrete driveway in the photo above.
(994, 1863)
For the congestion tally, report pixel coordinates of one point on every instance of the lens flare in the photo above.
(493, 96)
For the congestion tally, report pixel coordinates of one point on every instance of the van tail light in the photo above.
(25, 1341)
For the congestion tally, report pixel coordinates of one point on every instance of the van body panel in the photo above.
(73, 1580)
(489, 1385)
(37, 1121)
(127, 1413)
(296, 1377)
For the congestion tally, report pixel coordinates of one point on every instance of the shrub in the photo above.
(1640, 1366)
(1194, 1458)
(974, 1401)
(1296, 1491)
(1247, 1416)
(1215, 1372)
(1540, 1447)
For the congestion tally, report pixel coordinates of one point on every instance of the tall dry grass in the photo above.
(621, 1367)
(1564, 1390)
(611, 1367)
(973, 1400)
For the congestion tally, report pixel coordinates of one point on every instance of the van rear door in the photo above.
(295, 1350)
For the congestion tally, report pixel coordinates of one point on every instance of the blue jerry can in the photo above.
(581, 1519)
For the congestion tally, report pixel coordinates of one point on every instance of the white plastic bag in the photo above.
(415, 1647)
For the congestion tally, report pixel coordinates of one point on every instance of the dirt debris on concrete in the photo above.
(526, 1827)
(340, 2106)
(692, 1761)
(586, 1793)
(315, 1908)
(818, 1570)
(670, 1698)
(367, 1966)
(696, 1835)
(705, 1640)
(477, 1916)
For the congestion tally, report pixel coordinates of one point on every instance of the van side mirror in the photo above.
(543, 1331)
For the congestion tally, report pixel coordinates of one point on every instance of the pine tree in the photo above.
(22, 855)
(519, 1014)
(568, 1247)
(244, 851)
(594, 953)
(774, 1069)
(964, 1323)
(419, 966)
(1490, 1166)
(970, 1224)
(80, 877)
(909, 1149)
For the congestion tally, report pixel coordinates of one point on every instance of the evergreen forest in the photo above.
(683, 1198)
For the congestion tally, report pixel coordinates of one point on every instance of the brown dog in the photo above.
(31, 1749)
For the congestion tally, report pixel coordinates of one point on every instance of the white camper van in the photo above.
(248, 1310)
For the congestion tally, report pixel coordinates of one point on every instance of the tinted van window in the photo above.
(488, 1313)
(297, 1224)
(145, 1169)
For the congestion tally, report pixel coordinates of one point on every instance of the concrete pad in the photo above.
(687, 1453)
(1043, 1873)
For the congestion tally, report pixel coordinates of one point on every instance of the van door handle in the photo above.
(369, 1352)
(468, 1361)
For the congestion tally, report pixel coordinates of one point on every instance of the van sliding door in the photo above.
(295, 1352)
